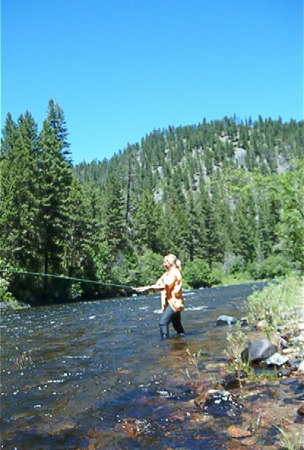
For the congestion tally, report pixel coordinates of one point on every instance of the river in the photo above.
(97, 375)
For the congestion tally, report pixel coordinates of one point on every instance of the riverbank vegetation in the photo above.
(226, 196)
(264, 378)
(277, 311)
(278, 304)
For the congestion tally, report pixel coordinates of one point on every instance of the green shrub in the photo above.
(197, 274)
(150, 267)
(272, 267)
(237, 342)
(238, 266)
(5, 294)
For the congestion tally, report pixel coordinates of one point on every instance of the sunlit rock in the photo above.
(258, 351)
(301, 367)
(261, 325)
(276, 360)
(244, 321)
(225, 320)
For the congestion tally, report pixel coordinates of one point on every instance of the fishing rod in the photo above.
(63, 277)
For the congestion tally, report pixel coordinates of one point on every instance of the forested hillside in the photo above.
(225, 196)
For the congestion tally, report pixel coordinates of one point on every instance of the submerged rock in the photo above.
(217, 403)
(225, 320)
(232, 381)
(237, 432)
(258, 351)
(131, 426)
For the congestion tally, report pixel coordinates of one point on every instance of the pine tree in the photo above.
(114, 215)
(244, 237)
(197, 234)
(18, 207)
(146, 223)
(55, 179)
(76, 240)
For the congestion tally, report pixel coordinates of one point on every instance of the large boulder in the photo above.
(259, 350)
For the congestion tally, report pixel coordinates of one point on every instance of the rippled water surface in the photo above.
(97, 375)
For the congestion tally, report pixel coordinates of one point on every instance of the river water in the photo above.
(97, 375)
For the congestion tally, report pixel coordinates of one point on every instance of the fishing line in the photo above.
(62, 277)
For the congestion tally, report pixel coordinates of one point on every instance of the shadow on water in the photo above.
(97, 375)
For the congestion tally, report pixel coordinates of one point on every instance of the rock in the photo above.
(231, 380)
(301, 411)
(287, 336)
(301, 367)
(218, 403)
(282, 343)
(284, 373)
(288, 351)
(225, 320)
(200, 400)
(244, 321)
(261, 325)
(258, 351)
(276, 360)
(237, 432)
(131, 426)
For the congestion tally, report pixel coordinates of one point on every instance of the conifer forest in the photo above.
(225, 196)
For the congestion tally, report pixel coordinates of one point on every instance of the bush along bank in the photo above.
(264, 372)
(7, 300)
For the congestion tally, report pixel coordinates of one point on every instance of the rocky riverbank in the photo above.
(12, 305)
(262, 385)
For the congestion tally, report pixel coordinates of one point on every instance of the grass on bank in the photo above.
(279, 303)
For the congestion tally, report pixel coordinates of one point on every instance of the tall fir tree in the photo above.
(114, 215)
(55, 180)
(18, 206)
(245, 230)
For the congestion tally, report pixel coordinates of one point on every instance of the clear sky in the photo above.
(121, 68)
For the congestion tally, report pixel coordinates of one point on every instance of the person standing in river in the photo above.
(172, 300)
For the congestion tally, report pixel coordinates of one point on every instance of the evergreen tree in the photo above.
(146, 223)
(196, 231)
(18, 206)
(76, 241)
(55, 179)
(114, 215)
(244, 237)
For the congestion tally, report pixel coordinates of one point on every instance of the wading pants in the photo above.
(170, 316)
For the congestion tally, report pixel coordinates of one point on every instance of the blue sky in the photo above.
(121, 68)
